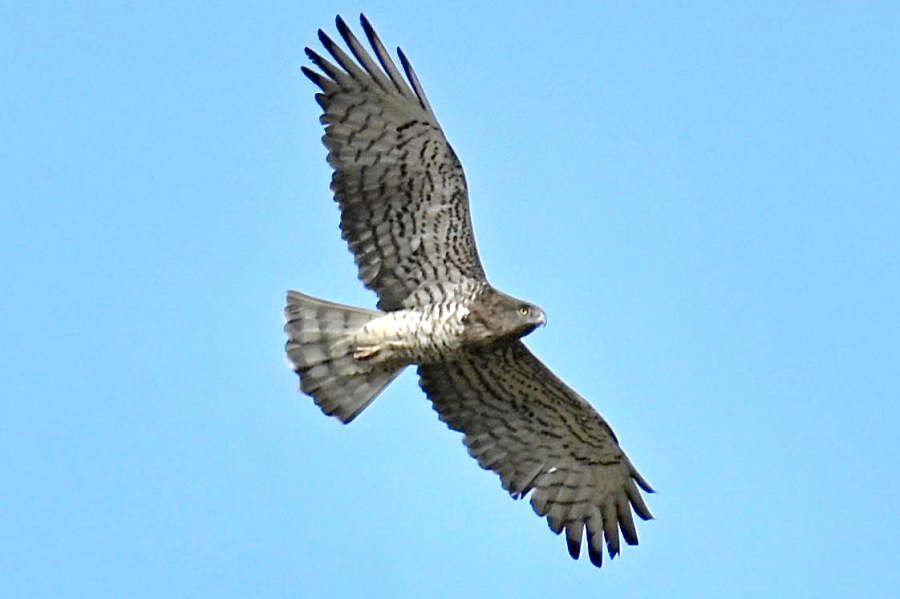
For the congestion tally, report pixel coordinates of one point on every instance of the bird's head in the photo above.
(497, 318)
(526, 318)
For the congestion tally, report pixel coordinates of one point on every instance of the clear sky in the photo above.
(702, 196)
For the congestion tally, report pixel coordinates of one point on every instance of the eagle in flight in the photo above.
(405, 216)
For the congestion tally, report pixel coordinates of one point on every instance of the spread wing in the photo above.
(525, 424)
(400, 187)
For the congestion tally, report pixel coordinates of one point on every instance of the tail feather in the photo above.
(320, 350)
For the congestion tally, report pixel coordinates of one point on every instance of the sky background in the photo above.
(704, 197)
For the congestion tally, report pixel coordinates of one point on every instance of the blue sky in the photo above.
(703, 197)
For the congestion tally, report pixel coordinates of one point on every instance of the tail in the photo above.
(320, 350)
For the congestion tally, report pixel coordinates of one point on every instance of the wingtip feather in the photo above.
(595, 552)
(574, 533)
(574, 548)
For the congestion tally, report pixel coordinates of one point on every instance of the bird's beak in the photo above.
(542, 319)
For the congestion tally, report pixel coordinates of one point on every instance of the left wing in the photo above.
(525, 424)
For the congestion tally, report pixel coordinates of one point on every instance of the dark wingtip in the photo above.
(407, 67)
(644, 513)
(326, 40)
(315, 77)
(595, 555)
(342, 27)
(366, 25)
(613, 551)
(641, 481)
(574, 547)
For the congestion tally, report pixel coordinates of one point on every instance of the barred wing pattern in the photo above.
(400, 187)
(525, 424)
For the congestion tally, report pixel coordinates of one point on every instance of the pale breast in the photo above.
(420, 336)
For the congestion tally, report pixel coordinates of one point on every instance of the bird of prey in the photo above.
(405, 217)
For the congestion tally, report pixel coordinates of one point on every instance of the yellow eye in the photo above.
(524, 310)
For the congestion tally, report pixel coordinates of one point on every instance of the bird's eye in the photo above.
(524, 310)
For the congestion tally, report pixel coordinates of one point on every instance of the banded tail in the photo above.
(320, 349)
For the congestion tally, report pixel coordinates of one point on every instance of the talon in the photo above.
(365, 352)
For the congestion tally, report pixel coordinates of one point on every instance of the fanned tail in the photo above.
(320, 350)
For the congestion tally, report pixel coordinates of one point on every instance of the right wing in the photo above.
(400, 187)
